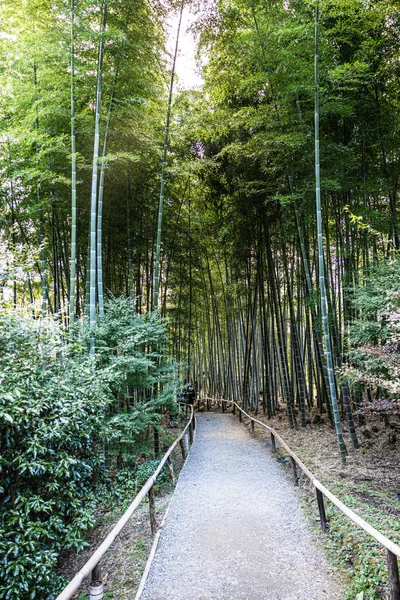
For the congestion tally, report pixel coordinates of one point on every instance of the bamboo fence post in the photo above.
(152, 511)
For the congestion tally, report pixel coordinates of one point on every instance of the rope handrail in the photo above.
(93, 562)
(393, 550)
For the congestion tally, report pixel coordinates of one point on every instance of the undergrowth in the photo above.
(354, 554)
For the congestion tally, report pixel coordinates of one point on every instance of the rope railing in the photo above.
(392, 549)
(92, 566)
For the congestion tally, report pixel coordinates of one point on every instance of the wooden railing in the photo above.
(92, 566)
(392, 549)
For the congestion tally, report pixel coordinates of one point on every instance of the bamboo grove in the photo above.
(271, 300)
(281, 300)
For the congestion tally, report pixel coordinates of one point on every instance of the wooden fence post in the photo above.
(190, 433)
(96, 588)
(182, 445)
(240, 415)
(152, 511)
(233, 409)
(393, 575)
(273, 442)
(252, 429)
(171, 470)
(321, 508)
(294, 469)
(96, 574)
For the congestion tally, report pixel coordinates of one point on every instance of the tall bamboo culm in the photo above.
(163, 169)
(100, 289)
(93, 203)
(72, 282)
(321, 266)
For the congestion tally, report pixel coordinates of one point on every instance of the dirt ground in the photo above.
(375, 463)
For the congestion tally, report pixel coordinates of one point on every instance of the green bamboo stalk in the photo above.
(321, 265)
(163, 169)
(41, 222)
(100, 200)
(72, 281)
(128, 225)
(93, 204)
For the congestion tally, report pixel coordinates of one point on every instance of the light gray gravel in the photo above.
(235, 530)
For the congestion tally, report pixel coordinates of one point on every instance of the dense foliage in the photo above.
(52, 409)
(375, 338)
(58, 411)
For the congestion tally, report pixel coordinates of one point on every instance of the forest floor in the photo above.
(369, 484)
(123, 566)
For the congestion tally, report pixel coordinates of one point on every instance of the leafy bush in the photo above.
(51, 408)
(59, 411)
(132, 355)
(374, 357)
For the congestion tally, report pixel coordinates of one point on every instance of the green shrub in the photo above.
(131, 353)
(59, 411)
(51, 408)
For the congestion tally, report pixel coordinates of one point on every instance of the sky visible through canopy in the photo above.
(186, 68)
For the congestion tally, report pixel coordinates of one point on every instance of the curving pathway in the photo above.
(235, 530)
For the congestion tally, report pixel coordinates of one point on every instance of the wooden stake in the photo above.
(321, 508)
(152, 511)
(171, 470)
(252, 429)
(273, 442)
(191, 433)
(96, 574)
(294, 469)
(182, 445)
(393, 575)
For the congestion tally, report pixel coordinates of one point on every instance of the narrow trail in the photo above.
(235, 530)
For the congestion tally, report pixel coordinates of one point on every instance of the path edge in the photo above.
(150, 560)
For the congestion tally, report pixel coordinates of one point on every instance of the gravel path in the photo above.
(235, 530)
